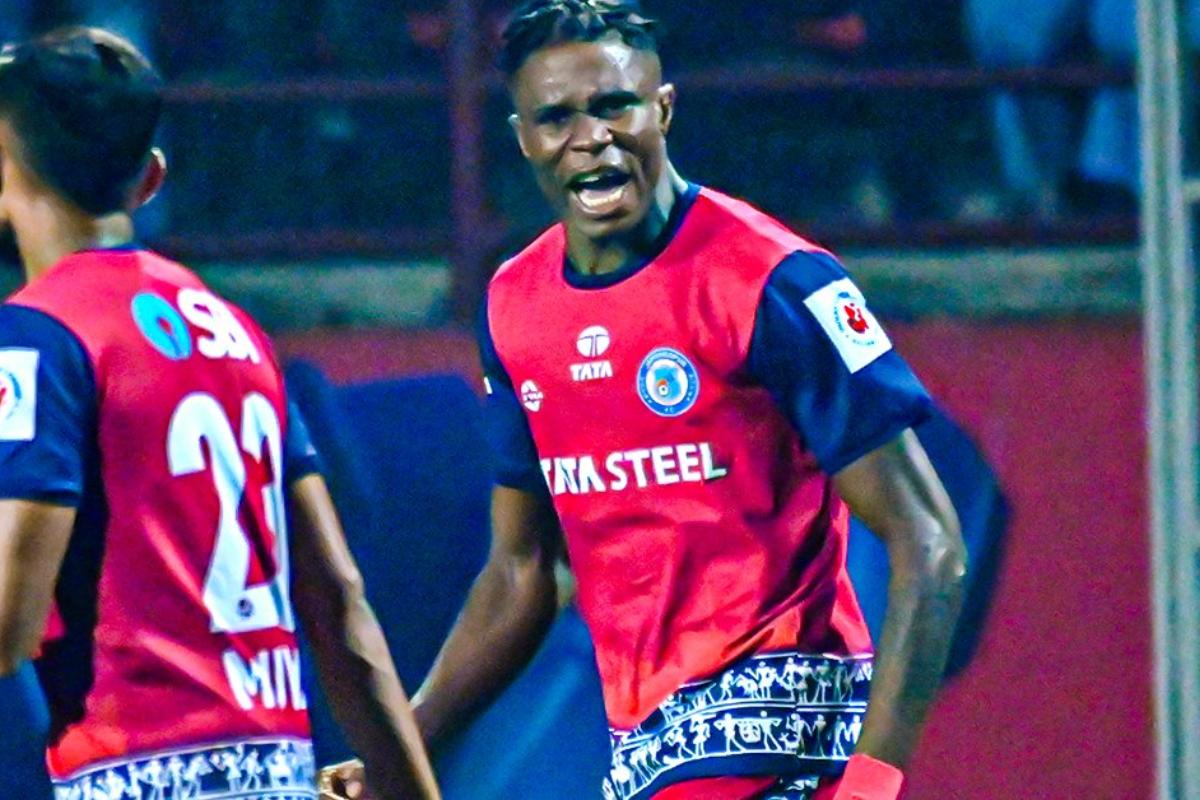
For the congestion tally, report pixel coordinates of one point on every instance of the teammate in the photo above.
(699, 398)
(149, 465)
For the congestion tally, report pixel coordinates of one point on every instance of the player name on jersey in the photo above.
(640, 468)
(270, 679)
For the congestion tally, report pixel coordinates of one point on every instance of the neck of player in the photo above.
(602, 256)
(59, 232)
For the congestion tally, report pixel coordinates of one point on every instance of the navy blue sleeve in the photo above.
(829, 364)
(300, 457)
(47, 409)
(514, 454)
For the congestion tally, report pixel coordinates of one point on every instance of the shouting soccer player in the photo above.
(148, 462)
(698, 398)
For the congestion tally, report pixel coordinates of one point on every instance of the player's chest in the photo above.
(615, 370)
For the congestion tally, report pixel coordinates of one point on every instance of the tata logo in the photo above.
(668, 382)
(593, 342)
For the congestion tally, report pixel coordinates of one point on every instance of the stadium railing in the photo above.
(471, 233)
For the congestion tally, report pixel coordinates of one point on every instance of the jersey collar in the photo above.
(580, 280)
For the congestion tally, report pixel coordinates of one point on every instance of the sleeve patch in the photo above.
(842, 312)
(18, 394)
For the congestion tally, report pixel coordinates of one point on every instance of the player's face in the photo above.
(592, 119)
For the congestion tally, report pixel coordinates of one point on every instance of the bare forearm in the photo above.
(924, 598)
(369, 703)
(507, 614)
(352, 656)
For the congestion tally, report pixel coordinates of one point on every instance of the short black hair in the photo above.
(85, 106)
(543, 23)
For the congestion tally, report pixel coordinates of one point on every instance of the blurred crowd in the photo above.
(825, 158)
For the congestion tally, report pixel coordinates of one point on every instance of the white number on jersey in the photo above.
(234, 606)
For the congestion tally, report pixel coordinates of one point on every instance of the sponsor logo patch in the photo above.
(842, 312)
(668, 382)
(531, 396)
(162, 325)
(593, 342)
(18, 394)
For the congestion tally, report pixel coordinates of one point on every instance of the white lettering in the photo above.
(663, 465)
(564, 475)
(248, 680)
(689, 463)
(613, 465)
(270, 676)
(638, 459)
(664, 462)
(290, 658)
(591, 371)
(711, 471)
(589, 478)
(226, 336)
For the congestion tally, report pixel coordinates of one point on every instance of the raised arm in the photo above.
(352, 657)
(506, 617)
(895, 491)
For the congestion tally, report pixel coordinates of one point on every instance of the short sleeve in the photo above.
(507, 429)
(47, 408)
(829, 364)
(300, 457)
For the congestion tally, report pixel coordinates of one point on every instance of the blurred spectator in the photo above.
(1039, 156)
(835, 157)
(924, 140)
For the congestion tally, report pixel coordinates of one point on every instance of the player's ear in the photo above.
(666, 107)
(152, 179)
(514, 122)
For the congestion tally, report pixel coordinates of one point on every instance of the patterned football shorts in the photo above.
(259, 769)
(801, 789)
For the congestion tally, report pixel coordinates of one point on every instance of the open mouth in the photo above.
(600, 192)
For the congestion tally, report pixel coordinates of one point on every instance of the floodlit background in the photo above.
(343, 169)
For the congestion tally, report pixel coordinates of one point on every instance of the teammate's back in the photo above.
(188, 609)
(149, 467)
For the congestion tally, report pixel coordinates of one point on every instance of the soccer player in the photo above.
(696, 398)
(149, 467)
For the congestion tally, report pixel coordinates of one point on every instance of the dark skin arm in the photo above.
(508, 612)
(33, 543)
(897, 494)
(352, 657)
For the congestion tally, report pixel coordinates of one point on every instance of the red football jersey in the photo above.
(174, 596)
(685, 413)
(699, 527)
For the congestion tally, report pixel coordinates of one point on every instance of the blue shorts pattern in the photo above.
(259, 769)
(772, 714)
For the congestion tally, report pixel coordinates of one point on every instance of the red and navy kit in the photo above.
(132, 393)
(685, 414)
